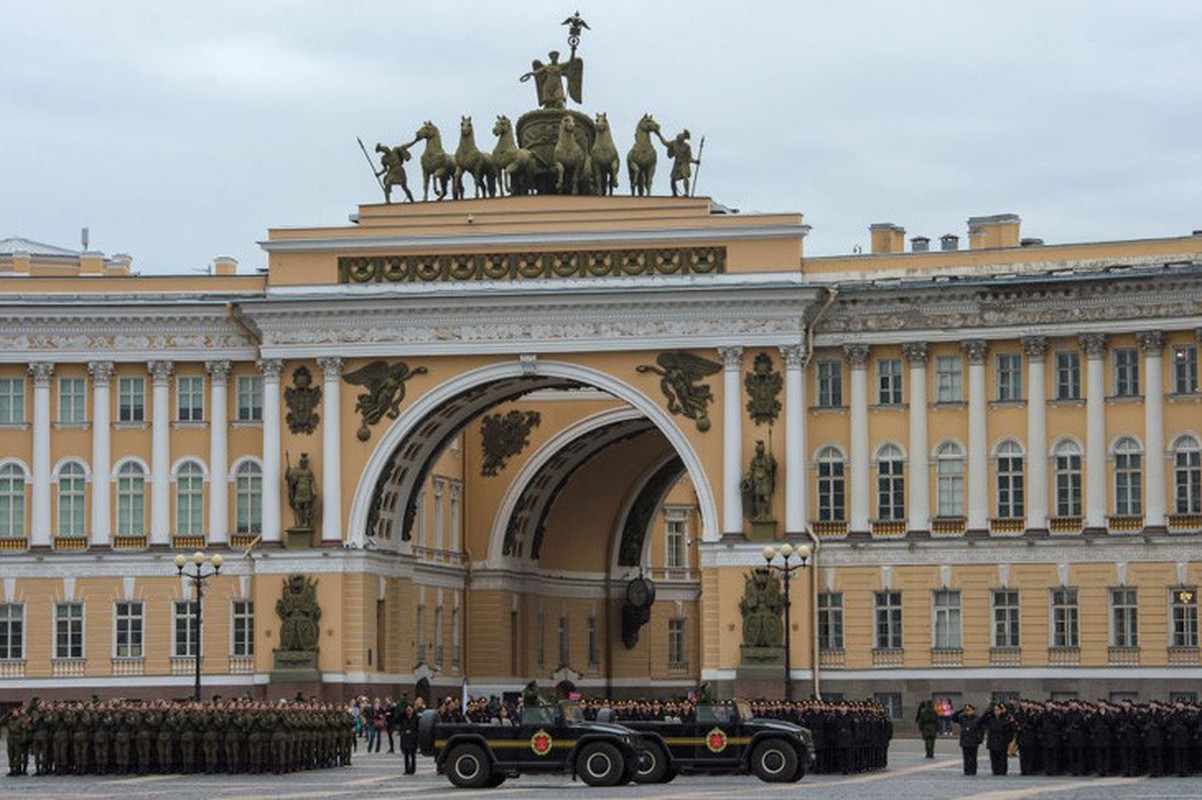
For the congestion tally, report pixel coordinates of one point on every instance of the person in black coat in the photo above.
(970, 736)
(408, 726)
(999, 732)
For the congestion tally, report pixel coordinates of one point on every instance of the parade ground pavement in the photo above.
(379, 775)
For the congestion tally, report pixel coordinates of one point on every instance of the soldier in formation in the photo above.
(119, 737)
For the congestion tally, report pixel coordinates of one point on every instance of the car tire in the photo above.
(775, 761)
(600, 764)
(653, 764)
(468, 767)
(496, 780)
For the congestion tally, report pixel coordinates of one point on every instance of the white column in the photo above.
(271, 369)
(102, 373)
(39, 518)
(732, 440)
(919, 498)
(160, 453)
(219, 487)
(796, 481)
(1152, 343)
(978, 445)
(1036, 348)
(1094, 345)
(331, 452)
(858, 459)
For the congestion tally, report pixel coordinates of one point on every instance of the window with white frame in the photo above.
(564, 652)
(1187, 475)
(243, 615)
(249, 497)
(1068, 375)
(1065, 628)
(1126, 372)
(72, 400)
(12, 501)
(675, 538)
(250, 398)
(676, 652)
(891, 484)
(1005, 618)
(189, 500)
(12, 631)
(949, 379)
(68, 630)
(947, 619)
(421, 534)
(831, 487)
(12, 400)
(131, 500)
(1184, 601)
(1009, 480)
(949, 480)
(131, 400)
(1009, 377)
(830, 620)
(455, 516)
(1124, 617)
(888, 620)
(184, 629)
(594, 652)
(1185, 369)
(129, 625)
(439, 490)
(1128, 478)
(190, 398)
(72, 487)
(1067, 457)
(889, 381)
(830, 383)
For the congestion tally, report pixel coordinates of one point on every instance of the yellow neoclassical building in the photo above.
(511, 410)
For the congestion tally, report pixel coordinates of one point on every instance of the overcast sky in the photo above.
(182, 131)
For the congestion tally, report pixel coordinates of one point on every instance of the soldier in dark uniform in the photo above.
(16, 728)
(999, 731)
(1027, 738)
(102, 739)
(1075, 736)
(1050, 738)
(970, 736)
(1129, 740)
(1153, 736)
(1101, 738)
(928, 725)
(1179, 731)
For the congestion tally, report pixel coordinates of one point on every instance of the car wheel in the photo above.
(653, 764)
(468, 767)
(496, 780)
(774, 761)
(600, 764)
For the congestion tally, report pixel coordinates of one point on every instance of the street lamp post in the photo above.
(786, 551)
(198, 577)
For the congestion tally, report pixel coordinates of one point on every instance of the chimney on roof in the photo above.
(887, 238)
(225, 265)
(920, 244)
(1030, 241)
(998, 230)
(949, 241)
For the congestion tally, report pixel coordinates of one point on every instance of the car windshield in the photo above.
(538, 715)
(716, 714)
(571, 711)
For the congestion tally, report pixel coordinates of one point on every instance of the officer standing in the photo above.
(999, 731)
(928, 725)
(970, 736)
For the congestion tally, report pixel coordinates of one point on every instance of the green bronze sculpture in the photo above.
(761, 608)
(503, 436)
(759, 484)
(436, 162)
(763, 386)
(515, 165)
(679, 373)
(604, 157)
(392, 168)
(569, 158)
(302, 398)
(302, 491)
(385, 384)
(470, 159)
(681, 153)
(640, 161)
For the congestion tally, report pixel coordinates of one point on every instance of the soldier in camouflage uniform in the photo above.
(85, 721)
(124, 725)
(17, 729)
(211, 738)
(189, 737)
(102, 739)
(60, 737)
(147, 724)
(42, 760)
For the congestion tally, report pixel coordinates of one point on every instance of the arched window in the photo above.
(131, 500)
(1187, 473)
(1009, 480)
(890, 483)
(71, 498)
(1068, 479)
(949, 480)
(1128, 478)
(831, 491)
(249, 492)
(189, 500)
(12, 501)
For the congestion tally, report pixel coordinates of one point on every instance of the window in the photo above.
(889, 381)
(890, 701)
(564, 653)
(190, 399)
(1009, 377)
(439, 490)
(189, 500)
(542, 637)
(131, 400)
(1068, 479)
(831, 495)
(1185, 617)
(420, 628)
(185, 629)
(12, 632)
(12, 400)
(12, 501)
(129, 623)
(1068, 376)
(250, 398)
(1128, 483)
(455, 637)
(1064, 618)
(675, 533)
(949, 379)
(830, 384)
(68, 630)
(676, 654)
(72, 406)
(891, 485)
(71, 487)
(243, 614)
(830, 620)
(1009, 480)
(1185, 370)
(594, 653)
(438, 635)
(1126, 372)
(1187, 475)
(888, 621)
(131, 500)
(1124, 618)
(949, 480)
(419, 525)
(947, 619)
(1005, 618)
(249, 501)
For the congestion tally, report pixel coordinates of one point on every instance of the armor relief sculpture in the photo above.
(503, 436)
(302, 399)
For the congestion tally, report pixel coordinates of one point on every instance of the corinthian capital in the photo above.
(101, 372)
(271, 368)
(975, 349)
(1094, 344)
(1151, 342)
(160, 371)
(916, 352)
(1036, 347)
(41, 371)
(732, 357)
(331, 367)
(856, 354)
(795, 356)
(219, 370)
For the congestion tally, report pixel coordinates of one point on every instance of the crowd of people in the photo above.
(123, 737)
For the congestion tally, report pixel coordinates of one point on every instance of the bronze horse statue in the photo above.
(515, 166)
(470, 159)
(640, 161)
(570, 158)
(436, 162)
(604, 157)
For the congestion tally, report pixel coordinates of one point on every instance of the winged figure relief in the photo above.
(679, 373)
(385, 384)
